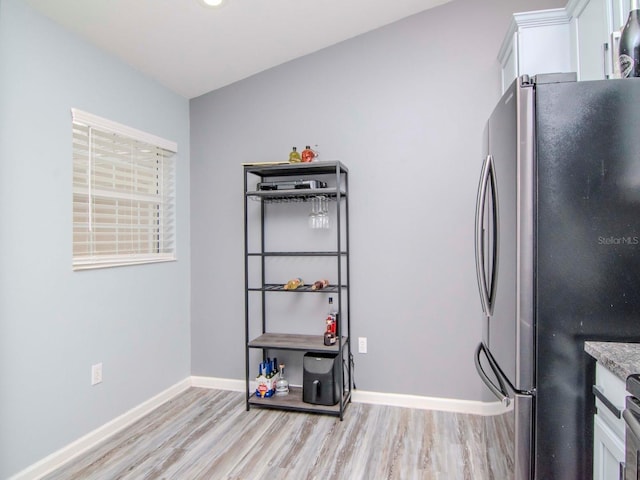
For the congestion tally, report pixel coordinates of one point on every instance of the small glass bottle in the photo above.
(333, 310)
(307, 154)
(293, 284)
(282, 385)
(294, 156)
(320, 284)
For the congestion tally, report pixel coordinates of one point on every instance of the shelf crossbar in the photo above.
(298, 254)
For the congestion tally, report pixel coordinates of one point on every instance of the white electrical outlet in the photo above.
(96, 373)
(362, 344)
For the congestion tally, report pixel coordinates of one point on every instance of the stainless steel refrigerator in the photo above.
(558, 260)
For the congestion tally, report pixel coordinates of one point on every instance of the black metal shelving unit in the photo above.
(336, 176)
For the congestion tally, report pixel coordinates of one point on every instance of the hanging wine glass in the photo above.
(324, 212)
(315, 210)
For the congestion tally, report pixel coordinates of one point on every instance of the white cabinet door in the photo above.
(536, 42)
(608, 452)
(608, 425)
(592, 45)
(594, 28)
(619, 11)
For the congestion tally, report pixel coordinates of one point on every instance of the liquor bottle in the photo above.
(333, 310)
(265, 374)
(294, 156)
(293, 284)
(274, 374)
(308, 155)
(319, 284)
(330, 329)
(282, 385)
(268, 374)
(629, 47)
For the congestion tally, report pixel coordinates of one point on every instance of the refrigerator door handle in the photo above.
(487, 291)
(500, 390)
(479, 235)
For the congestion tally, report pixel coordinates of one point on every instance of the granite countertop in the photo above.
(622, 359)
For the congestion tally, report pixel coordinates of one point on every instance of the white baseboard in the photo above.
(428, 403)
(230, 384)
(59, 458)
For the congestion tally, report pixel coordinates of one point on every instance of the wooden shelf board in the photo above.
(293, 401)
(288, 341)
(295, 169)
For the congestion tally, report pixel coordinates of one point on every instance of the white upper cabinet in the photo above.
(595, 29)
(536, 42)
(581, 38)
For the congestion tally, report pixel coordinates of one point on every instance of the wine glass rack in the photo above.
(294, 196)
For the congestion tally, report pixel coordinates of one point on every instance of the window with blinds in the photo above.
(123, 194)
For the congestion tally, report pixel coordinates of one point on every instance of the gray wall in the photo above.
(55, 323)
(404, 107)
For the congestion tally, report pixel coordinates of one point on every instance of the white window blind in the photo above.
(123, 194)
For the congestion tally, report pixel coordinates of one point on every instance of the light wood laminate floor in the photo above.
(208, 434)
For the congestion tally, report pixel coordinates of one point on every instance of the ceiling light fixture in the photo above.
(212, 3)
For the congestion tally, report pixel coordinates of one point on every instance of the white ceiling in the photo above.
(193, 49)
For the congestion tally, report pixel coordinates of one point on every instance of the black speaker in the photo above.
(320, 378)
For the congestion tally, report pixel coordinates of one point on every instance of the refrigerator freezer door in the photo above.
(509, 344)
(511, 149)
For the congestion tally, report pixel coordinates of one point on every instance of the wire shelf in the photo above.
(293, 196)
(278, 287)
